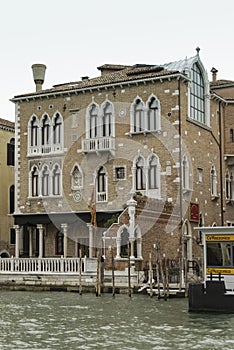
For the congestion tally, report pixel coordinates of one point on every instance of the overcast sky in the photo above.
(74, 37)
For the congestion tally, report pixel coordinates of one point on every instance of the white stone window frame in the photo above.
(50, 147)
(157, 117)
(102, 196)
(104, 105)
(213, 183)
(40, 170)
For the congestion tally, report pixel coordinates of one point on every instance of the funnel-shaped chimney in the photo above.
(38, 75)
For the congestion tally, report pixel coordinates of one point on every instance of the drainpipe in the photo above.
(181, 189)
(221, 162)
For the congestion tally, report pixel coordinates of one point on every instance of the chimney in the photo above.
(38, 75)
(85, 78)
(214, 74)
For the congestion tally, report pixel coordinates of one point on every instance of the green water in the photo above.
(66, 321)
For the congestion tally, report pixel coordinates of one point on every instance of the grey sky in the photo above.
(73, 37)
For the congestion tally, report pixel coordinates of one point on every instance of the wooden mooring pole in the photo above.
(150, 275)
(98, 279)
(113, 272)
(80, 272)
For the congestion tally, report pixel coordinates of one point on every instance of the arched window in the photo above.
(12, 199)
(153, 173)
(185, 173)
(45, 181)
(139, 123)
(229, 186)
(101, 185)
(107, 120)
(11, 152)
(231, 136)
(34, 125)
(56, 182)
(197, 95)
(140, 174)
(213, 180)
(153, 113)
(59, 243)
(124, 245)
(93, 121)
(35, 181)
(57, 129)
(76, 178)
(45, 137)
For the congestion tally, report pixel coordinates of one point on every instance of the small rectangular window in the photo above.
(119, 173)
(200, 175)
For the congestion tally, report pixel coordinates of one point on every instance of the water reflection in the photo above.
(70, 321)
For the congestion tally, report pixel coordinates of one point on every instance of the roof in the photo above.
(7, 123)
(221, 83)
(132, 73)
(119, 74)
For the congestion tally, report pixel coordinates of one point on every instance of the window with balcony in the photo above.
(101, 185)
(34, 132)
(45, 136)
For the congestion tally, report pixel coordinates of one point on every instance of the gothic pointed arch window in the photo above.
(197, 94)
(153, 114)
(93, 121)
(124, 244)
(45, 130)
(101, 185)
(76, 178)
(57, 128)
(35, 182)
(45, 181)
(138, 116)
(153, 173)
(107, 119)
(213, 180)
(34, 132)
(229, 186)
(140, 174)
(56, 181)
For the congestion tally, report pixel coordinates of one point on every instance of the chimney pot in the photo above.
(38, 75)
(214, 72)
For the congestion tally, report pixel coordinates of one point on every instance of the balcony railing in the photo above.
(47, 265)
(98, 144)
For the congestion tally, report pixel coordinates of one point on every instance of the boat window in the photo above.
(220, 254)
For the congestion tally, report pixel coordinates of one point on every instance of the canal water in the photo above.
(67, 321)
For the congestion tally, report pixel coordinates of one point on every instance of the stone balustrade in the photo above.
(47, 265)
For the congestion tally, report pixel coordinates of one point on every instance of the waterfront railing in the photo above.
(47, 265)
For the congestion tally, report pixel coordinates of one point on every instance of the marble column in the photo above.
(17, 238)
(64, 228)
(41, 231)
(90, 226)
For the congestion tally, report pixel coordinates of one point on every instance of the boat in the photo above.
(216, 293)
